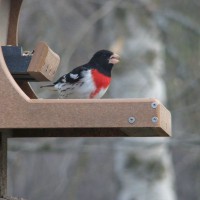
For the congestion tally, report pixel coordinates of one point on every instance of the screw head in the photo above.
(131, 120)
(154, 119)
(154, 105)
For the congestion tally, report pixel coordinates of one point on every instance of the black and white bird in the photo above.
(87, 81)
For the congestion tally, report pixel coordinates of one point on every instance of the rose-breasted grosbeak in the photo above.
(87, 81)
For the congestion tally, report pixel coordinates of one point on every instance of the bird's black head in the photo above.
(103, 61)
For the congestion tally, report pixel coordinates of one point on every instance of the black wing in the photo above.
(72, 77)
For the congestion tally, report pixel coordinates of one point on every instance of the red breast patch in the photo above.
(101, 82)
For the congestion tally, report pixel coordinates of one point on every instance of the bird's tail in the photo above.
(50, 87)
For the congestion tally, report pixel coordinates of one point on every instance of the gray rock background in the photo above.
(159, 44)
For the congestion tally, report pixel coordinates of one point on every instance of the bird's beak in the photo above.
(114, 59)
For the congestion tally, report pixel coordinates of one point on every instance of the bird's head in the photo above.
(104, 60)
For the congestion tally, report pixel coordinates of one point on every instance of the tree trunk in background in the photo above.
(73, 169)
(143, 166)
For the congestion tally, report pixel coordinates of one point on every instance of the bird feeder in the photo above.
(23, 115)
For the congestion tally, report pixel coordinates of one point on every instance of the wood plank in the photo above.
(74, 114)
(44, 63)
(105, 113)
(12, 37)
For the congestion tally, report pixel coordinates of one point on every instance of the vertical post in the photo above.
(3, 164)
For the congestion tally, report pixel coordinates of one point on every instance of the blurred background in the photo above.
(159, 44)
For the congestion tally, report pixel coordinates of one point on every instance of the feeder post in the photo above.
(3, 164)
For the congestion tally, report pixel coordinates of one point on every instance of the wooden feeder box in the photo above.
(23, 115)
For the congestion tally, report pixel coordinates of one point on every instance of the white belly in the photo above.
(100, 93)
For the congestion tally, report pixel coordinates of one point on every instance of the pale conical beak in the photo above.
(114, 59)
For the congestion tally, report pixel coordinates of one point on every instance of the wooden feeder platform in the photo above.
(24, 115)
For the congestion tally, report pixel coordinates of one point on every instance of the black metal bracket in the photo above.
(18, 61)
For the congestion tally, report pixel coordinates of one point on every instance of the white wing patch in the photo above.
(73, 76)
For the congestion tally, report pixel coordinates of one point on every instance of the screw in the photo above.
(131, 120)
(154, 119)
(154, 105)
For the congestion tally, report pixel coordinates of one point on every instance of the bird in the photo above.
(87, 81)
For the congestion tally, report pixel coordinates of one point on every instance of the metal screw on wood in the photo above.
(154, 119)
(154, 105)
(131, 120)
